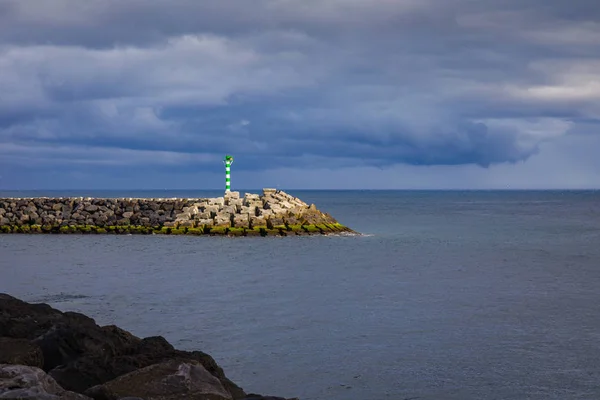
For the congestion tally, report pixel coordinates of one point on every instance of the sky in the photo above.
(305, 94)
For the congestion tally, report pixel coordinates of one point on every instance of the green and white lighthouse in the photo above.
(228, 161)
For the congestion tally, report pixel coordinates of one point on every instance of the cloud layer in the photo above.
(174, 85)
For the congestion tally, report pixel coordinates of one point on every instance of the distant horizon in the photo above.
(317, 190)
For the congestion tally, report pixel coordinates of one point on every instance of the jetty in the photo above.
(272, 213)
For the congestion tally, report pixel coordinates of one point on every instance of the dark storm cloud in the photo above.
(422, 82)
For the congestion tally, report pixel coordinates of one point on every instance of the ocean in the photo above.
(446, 295)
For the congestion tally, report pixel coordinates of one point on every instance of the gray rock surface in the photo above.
(170, 380)
(26, 382)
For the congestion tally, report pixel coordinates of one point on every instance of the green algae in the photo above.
(64, 229)
(218, 230)
(295, 228)
(195, 231)
(279, 230)
(236, 232)
(311, 229)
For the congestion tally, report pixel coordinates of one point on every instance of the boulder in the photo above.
(20, 351)
(79, 354)
(26, 382)
(222, 219)
(170, 380)
(218, 201)
(229, 210)
(292, 220)
(241, 220)
(23, 320)
(258, 221)
(265, 213)
(275, 221)
(184, 215)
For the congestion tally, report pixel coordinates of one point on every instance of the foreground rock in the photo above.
(275, 213)
(104, 362)
(24, 382)
(170, 380)
(21, 352)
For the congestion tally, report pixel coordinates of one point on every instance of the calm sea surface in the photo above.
(449, 295)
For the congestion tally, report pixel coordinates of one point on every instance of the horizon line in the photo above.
(313, 189)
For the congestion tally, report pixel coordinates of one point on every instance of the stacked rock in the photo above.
(272, 213)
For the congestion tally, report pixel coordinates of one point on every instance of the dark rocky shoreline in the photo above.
(47, 354)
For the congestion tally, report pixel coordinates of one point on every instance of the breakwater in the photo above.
(274, 213)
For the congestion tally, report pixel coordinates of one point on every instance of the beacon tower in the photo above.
(228, 161)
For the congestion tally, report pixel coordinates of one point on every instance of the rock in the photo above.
(26, 382)
(231, 197)
(275, 221)
(23, 320)
(203, 215)
(258, 221)
(79, 354)
(184, 216)
(219, 201)
(20, 351)
(128, 214)
(170, 380)
(241, 221)
(222, 220)
(291, 220)
(265, 213)
(260, 397)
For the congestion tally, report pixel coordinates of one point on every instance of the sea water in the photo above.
(447, 295)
